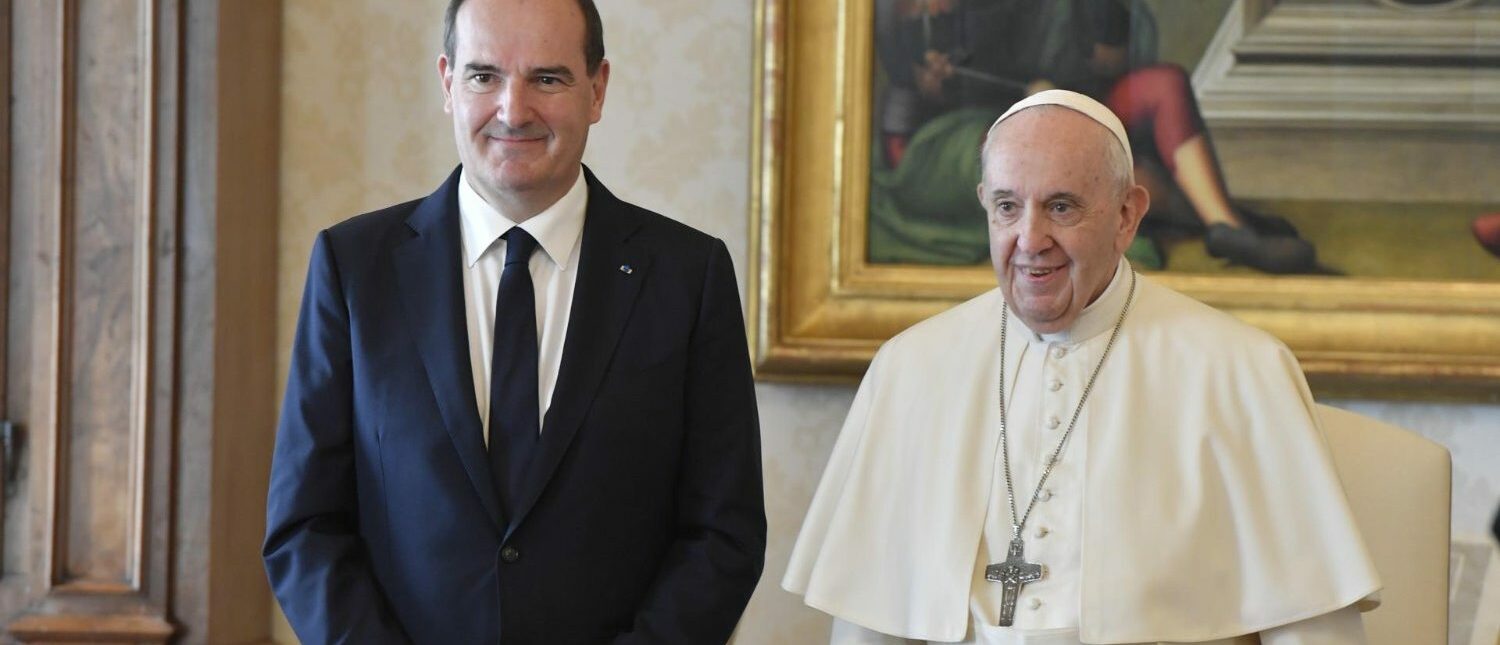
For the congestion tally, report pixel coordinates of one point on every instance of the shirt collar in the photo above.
(556, 229)
(1100, 316)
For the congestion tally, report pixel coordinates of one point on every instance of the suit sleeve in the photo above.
(712, 567)
(314, 556)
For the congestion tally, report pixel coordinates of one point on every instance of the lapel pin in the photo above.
(625, 269)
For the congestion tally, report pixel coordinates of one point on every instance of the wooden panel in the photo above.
(105, 246)
(139, 336)
(90, 362)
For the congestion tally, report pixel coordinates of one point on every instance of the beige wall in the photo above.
(363, 128)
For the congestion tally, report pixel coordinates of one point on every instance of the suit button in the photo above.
(509, 554)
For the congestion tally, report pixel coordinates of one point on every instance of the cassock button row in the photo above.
(509, 554)
(1055, 385)
(1052, 423)
(1036, 603)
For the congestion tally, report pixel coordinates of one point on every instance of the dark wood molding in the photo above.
(5, 212)
(245, 367)
(147, 370)
(65, 108)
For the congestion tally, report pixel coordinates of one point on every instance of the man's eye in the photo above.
(551, 84)
(1005, 207)
(482, 82)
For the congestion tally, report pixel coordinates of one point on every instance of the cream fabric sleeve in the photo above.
(1341, 627)
(846, 633)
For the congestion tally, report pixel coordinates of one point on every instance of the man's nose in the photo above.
(512, 105)
(1035, 233)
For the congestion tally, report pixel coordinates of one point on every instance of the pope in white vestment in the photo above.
(1193, 500)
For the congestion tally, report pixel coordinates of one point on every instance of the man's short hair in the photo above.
(593, 33)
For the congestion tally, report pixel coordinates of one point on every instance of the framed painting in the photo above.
(1327, 170)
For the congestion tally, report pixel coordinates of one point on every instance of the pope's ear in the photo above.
(1132, 210)
(1137, 202)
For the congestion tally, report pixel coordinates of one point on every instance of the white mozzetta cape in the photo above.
(1211, 508)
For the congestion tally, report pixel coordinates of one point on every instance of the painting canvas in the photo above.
(1322, 169)
(945, 69)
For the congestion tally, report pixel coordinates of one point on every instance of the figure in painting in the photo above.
(1487, 231)
(952, 65)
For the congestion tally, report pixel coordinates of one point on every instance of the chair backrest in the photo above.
(1400, 487)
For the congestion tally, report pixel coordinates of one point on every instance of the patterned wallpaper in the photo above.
(363, 127)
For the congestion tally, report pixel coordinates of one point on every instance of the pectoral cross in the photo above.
(1013, 574)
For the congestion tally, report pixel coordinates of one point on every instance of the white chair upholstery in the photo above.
(1399, 486)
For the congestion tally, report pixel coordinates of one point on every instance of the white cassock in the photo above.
(1195, 501)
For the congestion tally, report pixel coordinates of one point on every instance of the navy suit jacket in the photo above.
(642, 518)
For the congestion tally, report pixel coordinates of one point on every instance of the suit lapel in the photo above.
(610, 273)
(427, 270)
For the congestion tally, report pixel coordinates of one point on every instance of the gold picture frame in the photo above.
(819, 310)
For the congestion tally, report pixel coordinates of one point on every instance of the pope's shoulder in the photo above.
(1192, 327)
(947, 331)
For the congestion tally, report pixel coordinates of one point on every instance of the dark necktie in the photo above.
(515, 423)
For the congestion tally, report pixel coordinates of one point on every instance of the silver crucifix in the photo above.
(1013, 574)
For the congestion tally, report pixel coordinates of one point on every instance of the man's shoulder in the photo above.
(669, 234)
(368, 227)
(675, 247)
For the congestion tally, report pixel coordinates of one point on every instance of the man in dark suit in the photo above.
(519, 410)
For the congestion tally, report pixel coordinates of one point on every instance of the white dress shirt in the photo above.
(554, 272)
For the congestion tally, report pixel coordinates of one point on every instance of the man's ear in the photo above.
(445, 77)
(600, 82)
